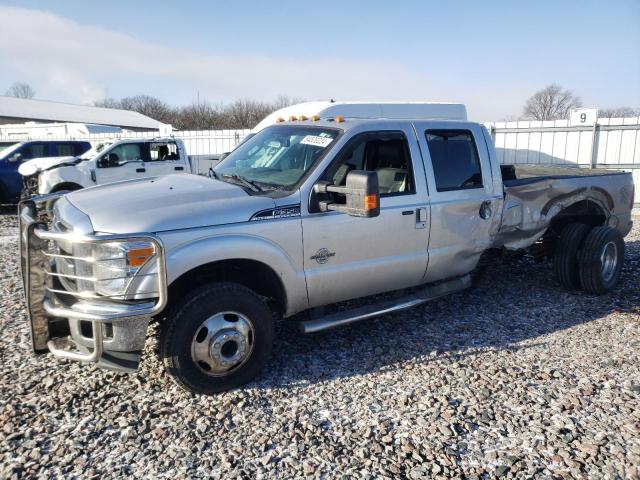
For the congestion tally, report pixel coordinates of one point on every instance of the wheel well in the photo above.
(66, 186)
(252, 274)
(584, 211)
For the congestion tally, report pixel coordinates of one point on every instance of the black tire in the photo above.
(598, 276)
(565, 256)
(186, 320)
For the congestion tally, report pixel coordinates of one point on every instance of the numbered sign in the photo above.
(583, 117)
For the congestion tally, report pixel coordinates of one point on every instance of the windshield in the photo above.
(9, 150)
(278, 156)
(94, 150)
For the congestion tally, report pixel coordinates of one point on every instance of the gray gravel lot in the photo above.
(513, 378)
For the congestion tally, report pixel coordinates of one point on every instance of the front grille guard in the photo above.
(40, 296)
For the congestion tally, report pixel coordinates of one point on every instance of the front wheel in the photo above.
(218, 338)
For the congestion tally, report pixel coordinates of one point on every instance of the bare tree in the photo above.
(245, 113)
(201, 115)
(551, 103)
(619, 112)
(20, 90)
(144, 104)
(285, 101)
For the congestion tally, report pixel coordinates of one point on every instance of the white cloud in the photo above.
(81, 62)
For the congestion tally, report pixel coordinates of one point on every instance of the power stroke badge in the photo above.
(322, 256)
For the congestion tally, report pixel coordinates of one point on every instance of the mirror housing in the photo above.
(361, 191)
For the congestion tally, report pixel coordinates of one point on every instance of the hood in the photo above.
(170, 202)
(37, 165)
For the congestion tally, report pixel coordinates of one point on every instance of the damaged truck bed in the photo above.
(537, 196)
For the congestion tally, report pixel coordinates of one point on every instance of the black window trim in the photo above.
(375, 133)
(458, 131)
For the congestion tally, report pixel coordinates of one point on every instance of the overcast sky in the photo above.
(489, 55)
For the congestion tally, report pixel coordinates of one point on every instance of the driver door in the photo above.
(349, 257)
(122, 162)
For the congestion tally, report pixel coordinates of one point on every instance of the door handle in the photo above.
(485, 209)
(141, 170)
(407, 212)
(178, 168)
(421, 217)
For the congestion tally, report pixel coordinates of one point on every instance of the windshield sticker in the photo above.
(316, 141)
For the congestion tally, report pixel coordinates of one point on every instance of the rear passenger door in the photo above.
(164, 158)
(462, 194)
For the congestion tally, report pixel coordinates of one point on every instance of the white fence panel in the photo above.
(611, 143)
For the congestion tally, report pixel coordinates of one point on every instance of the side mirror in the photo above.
(16, 157)
(361, 192)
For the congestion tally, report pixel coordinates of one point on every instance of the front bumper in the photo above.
(77, 326)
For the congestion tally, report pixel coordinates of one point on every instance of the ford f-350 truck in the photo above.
(307, 213)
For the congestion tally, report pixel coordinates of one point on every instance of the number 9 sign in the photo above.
(583, 117)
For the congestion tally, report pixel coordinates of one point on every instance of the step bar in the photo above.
(427, 294)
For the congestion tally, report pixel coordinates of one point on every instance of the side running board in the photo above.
(428, 293)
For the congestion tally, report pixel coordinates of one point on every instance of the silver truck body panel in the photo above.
(170, 202)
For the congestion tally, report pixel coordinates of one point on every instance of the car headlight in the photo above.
(113, 265)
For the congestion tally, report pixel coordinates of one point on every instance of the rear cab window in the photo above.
(455, 159)
(162, 151)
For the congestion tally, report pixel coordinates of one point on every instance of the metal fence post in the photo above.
(595, 138)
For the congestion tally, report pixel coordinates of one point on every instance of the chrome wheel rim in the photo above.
(222, 343)
(609, 261)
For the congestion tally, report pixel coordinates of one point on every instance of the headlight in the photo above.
(111, 266)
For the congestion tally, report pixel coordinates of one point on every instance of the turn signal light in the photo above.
(371, 201)
(137, 256)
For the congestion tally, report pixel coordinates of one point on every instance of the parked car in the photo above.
(14, 156)
(109, 161)
(302, 216)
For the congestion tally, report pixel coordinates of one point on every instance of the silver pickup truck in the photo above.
(307, 213)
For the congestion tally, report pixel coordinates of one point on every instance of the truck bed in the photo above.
(514, 175)
(535, 194)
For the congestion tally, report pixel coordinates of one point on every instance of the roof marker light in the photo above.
(315, 118)
(280, 120)
(339, 118)
(302, 118)
(293, 118)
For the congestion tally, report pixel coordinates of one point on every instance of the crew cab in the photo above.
(19, 153)
(106, 162)
(306, 214)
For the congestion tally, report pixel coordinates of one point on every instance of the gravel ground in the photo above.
(513, 378)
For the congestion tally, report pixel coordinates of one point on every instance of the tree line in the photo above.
(550, 103)
(201, 115)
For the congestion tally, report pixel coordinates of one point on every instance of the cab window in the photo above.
(66, 149)
(455, 160)
(386, 153)
(163, 151)
(34, 150)
(126, 152)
